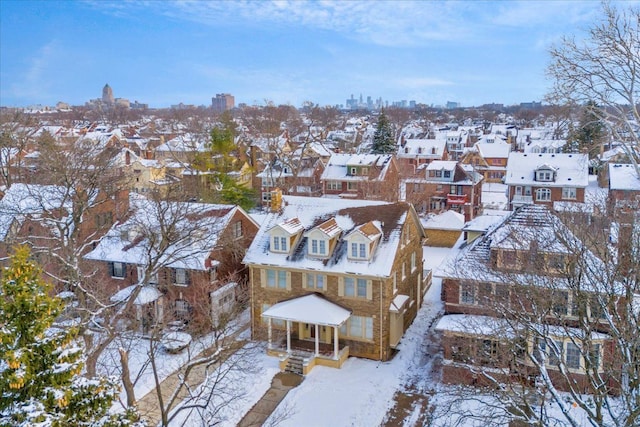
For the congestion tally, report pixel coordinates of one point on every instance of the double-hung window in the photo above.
(119, 270)
(358, 327)
(569, 193)
(315, 281)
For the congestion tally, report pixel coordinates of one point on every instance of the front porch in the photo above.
(312, 325)
(305, 350)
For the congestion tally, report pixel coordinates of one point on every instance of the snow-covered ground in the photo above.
(494, 196)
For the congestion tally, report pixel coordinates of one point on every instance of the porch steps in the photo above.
(294, 364)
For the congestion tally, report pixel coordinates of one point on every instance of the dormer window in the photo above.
(279, 244)
(545, 174)
(318, 247)
(358, 250)
(353, 171)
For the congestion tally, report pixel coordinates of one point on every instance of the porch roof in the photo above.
(309, 309)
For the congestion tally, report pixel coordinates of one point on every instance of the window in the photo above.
(118, 269)
(276, 279)
(447, 174)
(358, 250)
(557, 262)
(596, 309)
(555, 353)
(356, 288)
(349, 287)
(439, 188)
(266, 197)
(334, 185)
(543, 195)
(279, 244)
(182, 310)
(560, 301)
(395, 282)
(509, 258)
(544, 175)
(573, 356)
(237, 229)
(594, 357)
(358, 327)
(438, 174)
(467, 294)
(318, 247)
(453, 189)
(352, 186)
(315, 281)
(353, 171)
(267, 182)
(413, 262)
(180, 276)
(404, 271)
(569, 193)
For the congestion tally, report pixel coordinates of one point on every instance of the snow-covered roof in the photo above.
(535, 228)
(338, 166)
(623, 177)
(448, 220)
(197, 229)
(147, 294)
(495, 150)
(348, 214)
(486, 326)
(310, 308)
(442, 165)
(572, 169)
(483, 223)
(423, 148)
(397, 303)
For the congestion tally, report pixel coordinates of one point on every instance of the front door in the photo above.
(309, 333)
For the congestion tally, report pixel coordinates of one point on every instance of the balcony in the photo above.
(457, 199)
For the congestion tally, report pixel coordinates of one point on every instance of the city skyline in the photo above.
(165, 53)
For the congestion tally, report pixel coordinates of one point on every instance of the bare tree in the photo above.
(554, 324)
(604, 70)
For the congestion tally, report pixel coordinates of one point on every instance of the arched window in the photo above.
(543, 195)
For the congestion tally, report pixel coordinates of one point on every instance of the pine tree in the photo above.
(383, 140)
(40, 364)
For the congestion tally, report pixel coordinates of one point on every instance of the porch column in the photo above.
(317, 341)
(269, 333)
(335, 343)
(288, 336)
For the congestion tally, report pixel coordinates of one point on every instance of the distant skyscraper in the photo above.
(107, 95)
(223, 102)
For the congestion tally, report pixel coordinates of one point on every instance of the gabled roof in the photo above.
(572, 169)
(290, 226)
(330, 228)
(371, 230)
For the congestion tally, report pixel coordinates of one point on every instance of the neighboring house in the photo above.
(304, 180)
(415, 152)
(443, 230)
(361, 176)
(535, 146)
(445, 185)
(179, 254)
(42, 216)
(182, 148)
(489, 157)
(546, 178)
(624, 185)
(457, 142)
(516, 294)
(338, 279)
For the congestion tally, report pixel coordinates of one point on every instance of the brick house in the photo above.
(445, 185)
(489, 157)
(546, 178)
(415, 152)
(519, 306)
(41, 215)
(179, 254)
(361, 176)
(337, 279)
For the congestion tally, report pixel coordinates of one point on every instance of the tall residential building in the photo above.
(222, 102)
(107, 95)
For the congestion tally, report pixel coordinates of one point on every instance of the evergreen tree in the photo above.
(383, 140)
(590, 132)
(40, 364)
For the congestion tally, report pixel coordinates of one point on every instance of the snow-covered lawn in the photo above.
(494, 196)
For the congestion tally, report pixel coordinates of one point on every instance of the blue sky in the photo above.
(167, 52)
